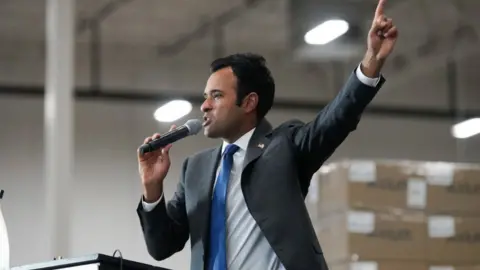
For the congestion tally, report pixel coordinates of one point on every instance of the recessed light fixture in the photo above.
(326, 32)
(172, 111)
(466, 129)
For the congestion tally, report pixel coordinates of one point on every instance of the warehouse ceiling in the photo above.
(155, 22)
(261, 23)
(431, 31)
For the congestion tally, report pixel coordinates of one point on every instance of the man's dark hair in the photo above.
(252, 76)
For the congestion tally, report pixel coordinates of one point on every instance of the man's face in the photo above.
(221, 114)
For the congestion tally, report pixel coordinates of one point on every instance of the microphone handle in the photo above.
(165, 139)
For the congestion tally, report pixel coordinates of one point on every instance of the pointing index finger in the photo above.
(380, 8)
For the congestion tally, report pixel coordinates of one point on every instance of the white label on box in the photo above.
(363, 266)
(441, 226)
(439, 173)
(363, 171)
(442, 267)
(313, 190)
(361, 222)
(416, 193)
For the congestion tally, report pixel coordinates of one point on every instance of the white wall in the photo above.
(107, 189)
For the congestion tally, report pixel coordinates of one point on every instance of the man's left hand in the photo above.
(381, 41)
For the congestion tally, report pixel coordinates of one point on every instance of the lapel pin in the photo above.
(261, 145)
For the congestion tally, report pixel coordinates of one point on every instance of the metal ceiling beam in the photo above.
(418, 67)
(451, 76)
(94, 25)
(459, 44)
(131, 96)
(100, 15)
(216, 24)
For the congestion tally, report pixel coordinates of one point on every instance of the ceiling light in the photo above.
(466, 129)
(326, 32)
(172, 111)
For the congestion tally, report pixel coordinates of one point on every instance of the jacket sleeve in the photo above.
(165, 228)
(317, 140)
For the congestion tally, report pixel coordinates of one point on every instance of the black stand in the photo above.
(90, 262)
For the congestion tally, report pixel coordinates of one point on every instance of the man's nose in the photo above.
(206, 106)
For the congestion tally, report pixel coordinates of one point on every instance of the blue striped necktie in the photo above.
(217, 253)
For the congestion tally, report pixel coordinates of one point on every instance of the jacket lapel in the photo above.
(207, 179)
(258, 143)
(210, 172)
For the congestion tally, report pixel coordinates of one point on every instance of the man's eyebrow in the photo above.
(213, 91)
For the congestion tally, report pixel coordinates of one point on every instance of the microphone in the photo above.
(191, 127)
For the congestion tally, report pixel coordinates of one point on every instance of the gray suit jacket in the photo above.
(275, 182)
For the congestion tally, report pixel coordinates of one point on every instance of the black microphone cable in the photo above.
(120, 256)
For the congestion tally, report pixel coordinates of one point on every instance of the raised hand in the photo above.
(381, 40)
(383, 34)
(153, 168)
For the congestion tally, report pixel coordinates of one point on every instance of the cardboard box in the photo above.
(402, 236)
(389, 185)
(370, 185)
(453, 240)
(453, 188)
(366, 235)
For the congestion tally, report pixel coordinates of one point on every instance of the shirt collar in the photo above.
(242, 142)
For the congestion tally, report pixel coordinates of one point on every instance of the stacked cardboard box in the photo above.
(383, 215)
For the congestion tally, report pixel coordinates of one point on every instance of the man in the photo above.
(242, 203)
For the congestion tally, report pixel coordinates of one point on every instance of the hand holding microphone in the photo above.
(154, 159)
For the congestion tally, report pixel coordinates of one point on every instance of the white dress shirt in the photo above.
(247, 247)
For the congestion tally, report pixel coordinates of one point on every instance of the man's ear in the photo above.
(250, 102)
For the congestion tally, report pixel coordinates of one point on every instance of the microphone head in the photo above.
(194, 126)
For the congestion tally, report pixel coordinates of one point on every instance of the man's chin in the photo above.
(209, 133)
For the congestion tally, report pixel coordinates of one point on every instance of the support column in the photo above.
(59, 120)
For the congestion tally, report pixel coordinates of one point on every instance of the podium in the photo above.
(90, 262)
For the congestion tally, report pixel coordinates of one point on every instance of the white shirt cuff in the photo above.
(366, 80)
(147, 207)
